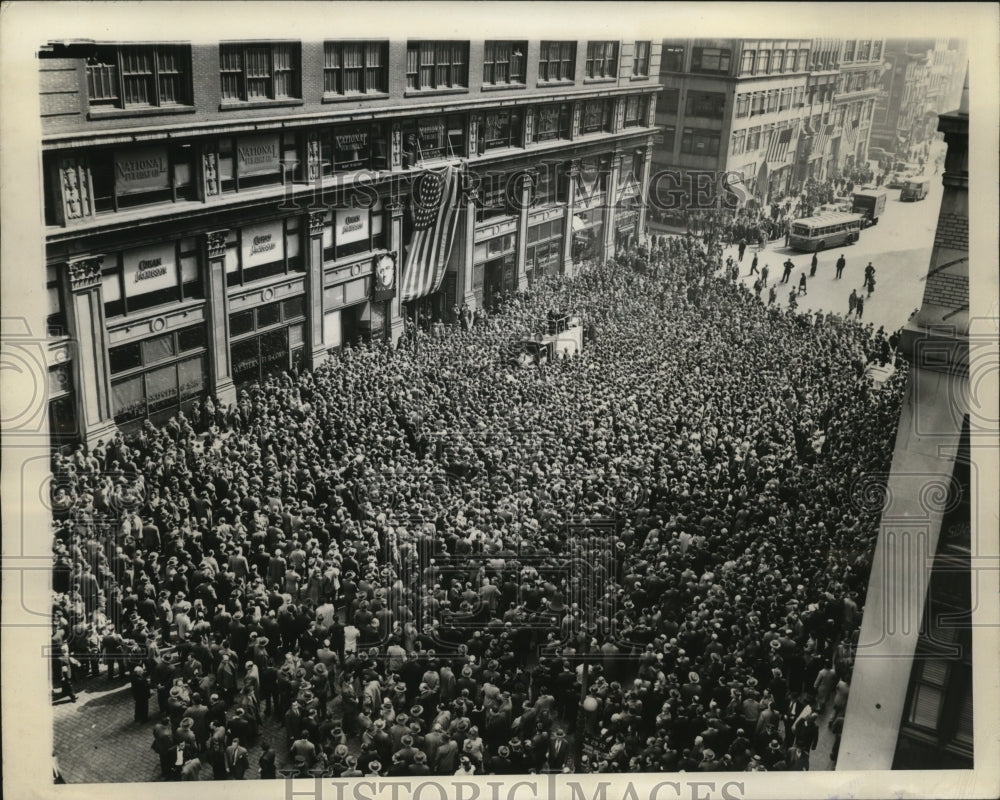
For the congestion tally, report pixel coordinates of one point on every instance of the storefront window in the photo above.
(268, 352)
(553, 121)
(350, 148)
(141, 176)
(261, 251)
(495, 197)
(150, 276)
(636, 111)
(597, 116)
(428, 138)
(351, 231)
(159, 393)
(549, 184)
(500, 129)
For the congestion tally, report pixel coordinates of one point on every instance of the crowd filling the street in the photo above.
(431, 559)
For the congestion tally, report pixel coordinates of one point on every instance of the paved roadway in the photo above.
(899, 247)
(97, 740)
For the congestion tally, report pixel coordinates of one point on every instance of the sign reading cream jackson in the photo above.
(258, 155)
(150, 269)
(263, 244)
(352, 225)
(144, 169)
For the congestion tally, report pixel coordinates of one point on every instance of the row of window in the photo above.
(865, 50)
(753, 139)
(707, 60)
(749, 104)
(770, 62)
(159, 75)
(168, 172)
(694, 141)
(857, 81)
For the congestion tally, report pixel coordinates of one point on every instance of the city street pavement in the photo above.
(899, 247)
(96, 739)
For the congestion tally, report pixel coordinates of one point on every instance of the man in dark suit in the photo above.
(141, 691)
(237, 759)
(558, 751)
(163, 745)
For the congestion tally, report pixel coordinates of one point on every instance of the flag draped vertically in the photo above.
(777, 151)
(435, 216)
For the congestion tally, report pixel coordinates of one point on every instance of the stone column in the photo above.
(647, 166)
(95, 409)
(394, 211)
(316, 347)
(611, 207)
(522, 231)
(571, 175)
(220, 369)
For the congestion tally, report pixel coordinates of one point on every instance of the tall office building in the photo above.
(775, 112)
(216, 213)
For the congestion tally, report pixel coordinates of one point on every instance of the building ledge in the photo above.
(348, 98)
(241, 105)
(95, 115)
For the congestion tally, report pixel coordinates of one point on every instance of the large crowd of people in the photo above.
(648, 556)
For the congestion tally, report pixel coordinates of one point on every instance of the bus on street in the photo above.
(825, 231)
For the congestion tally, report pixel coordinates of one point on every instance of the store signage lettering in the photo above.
(258, 155)
(262, 244)
(352, 225)
(150, 269)
(143, 170)
(351, 141)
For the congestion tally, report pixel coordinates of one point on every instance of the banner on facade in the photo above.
(150, 269)
(352, 225)
(144, 169)
(262, 244)
(258, 155)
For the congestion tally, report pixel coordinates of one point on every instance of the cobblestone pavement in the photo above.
(97, 739)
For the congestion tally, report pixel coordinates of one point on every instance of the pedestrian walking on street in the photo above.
(852, 302)
(812, 267)
(871, 285)
(869, 273)
(841, 263)
(802, 284)
(772, 295)
(793, 301)
(789, 266)
(861, 306)
(753, 266)
(764, 273)
(743, 248)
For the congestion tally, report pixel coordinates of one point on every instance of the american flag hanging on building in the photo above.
(821, 138)
(777, 151)
(851, 135)
(435, 215)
